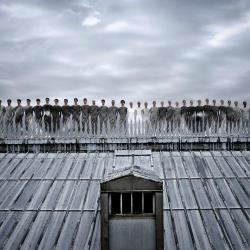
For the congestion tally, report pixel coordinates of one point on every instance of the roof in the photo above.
(52, 199)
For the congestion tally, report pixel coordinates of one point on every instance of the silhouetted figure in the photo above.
(56, 115)
(2, 114)
(28, 110)
(222, 115)
(184, 113)
(177, 117)
(170, 117)
(47, 115)
(153, 113)
(162, 114)
(19, 113)
(94, 113)
(66, 113)
(76, 112)
(85, 116)
(131, 118)
(229, 117)
(123, 116)
(38, 112)
(9, 116)
(191, 113)
(113, 112)
(245, 117)
(215, 116)
(145, 117)
(103, 117)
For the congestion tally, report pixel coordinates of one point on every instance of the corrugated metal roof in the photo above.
(52, 200)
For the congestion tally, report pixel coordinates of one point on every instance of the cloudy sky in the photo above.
(132, 49)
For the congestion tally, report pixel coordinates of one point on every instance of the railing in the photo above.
(174, 127)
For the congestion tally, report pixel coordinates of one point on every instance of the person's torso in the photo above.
(103, 112)
(47, 109)
(38, 111)
(162, 112)
(56, 110)
(85, 111)
(19, 111)
(8, 112)
(76, 111)
(123, 112)
(113, 112)
(66, 110)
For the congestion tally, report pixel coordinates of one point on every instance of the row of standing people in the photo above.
(196, 118)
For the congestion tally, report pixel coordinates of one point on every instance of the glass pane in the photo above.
(148, 203)
(137, 203)
(115, 203)
(126, 203)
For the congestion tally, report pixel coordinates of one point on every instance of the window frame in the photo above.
(132, 214)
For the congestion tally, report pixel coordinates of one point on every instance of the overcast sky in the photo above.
(131, 49)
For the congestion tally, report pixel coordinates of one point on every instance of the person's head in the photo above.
(9, 102)
(207, 101)
(18, 102)
(56, 101)
(113, 102)
(244, 104)
(162, 103)
(191, 102)
(65, 101)
(177, 104)
(184, 102)
(85, 101)
(103, 102)
(154, 103)
(28, 101)
(229, 102)
(75, 101)
(221, 102)
(122, 103)
(236, 103)
(38, 101)
(93, 102)
(214, 102)
(169, 103)
(47, 100)
(199, 102)
(145, 104)
(131, 104)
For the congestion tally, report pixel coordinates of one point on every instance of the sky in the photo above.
(137, 50)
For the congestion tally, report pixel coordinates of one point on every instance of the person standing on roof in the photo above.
(229, 117)
(94, 115)
(56, 115)
(9, 116)
(76, 112)
(123, 117)
(113, 113)
(146, 118)
(177, 117)
(2, 114)
(153, 114)
(85, 116)
(38, 113)
(28, 110)
(47, 115)
(19, 112)
(162, 114)
(245, 111)
(66, 113)
(131, 118)
(170, 117)
(103, 117)
(138, 117)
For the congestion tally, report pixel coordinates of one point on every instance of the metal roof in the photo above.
(50, 200)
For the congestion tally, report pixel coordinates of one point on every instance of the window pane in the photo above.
(148, 203)
(137, 203)
(126, 203)
(115, 203)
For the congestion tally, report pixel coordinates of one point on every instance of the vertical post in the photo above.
(104, 221)
(159, 220)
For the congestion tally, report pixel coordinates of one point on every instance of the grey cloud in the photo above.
(138, 50)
